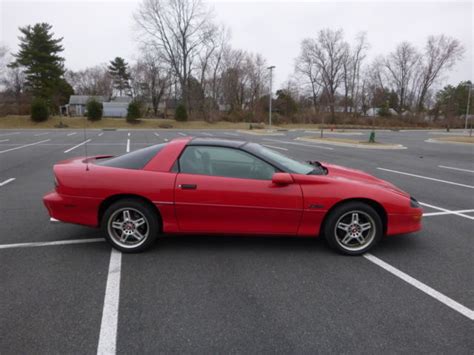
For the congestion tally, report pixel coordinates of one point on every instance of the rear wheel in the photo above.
(353, 228)
(130, 225)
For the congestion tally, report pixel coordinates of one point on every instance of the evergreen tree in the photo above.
(39, 56)
(118, 69)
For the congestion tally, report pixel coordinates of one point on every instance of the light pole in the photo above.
(467, 107)
(270, 96)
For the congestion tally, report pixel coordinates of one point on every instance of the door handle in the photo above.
(188, 186)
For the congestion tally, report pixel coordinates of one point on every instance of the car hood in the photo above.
(341, 172)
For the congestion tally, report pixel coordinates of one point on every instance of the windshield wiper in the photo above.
(319, 169)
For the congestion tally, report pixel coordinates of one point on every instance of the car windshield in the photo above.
(291, 165)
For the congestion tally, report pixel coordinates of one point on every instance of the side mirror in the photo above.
(282, 179)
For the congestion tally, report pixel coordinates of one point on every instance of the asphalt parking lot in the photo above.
(62, 290)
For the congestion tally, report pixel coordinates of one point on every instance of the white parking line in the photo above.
(166, 139)
(4, 140)
(6, 181)
(46, 244)
(24, 146)
(450, 167)
(8, 134)
(469, 313)
(427, 178)
(156, 134)
(100, 134)
(78, 145)
(207, 134)
(299, 144)
(108, 326)
(129, 134)
(447, 211)
(128, 146)
(182, 134)
(231, 134)
(71, 134)
(41, 134)
(273, 147)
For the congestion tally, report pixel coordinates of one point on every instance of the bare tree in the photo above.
(179, 29)
(329, 51)
(402, 65)
(358, 54)
(3, 60)
(91, 81)
(441, 53)
(307, 68)
(150, 79)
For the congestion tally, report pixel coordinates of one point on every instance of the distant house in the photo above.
(77, 104)
(115, 109)
(125, 99)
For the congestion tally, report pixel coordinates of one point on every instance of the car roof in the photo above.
(217, 142)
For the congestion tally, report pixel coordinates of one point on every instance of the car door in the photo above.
(227, 190)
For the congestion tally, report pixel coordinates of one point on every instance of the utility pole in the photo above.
(467, 109)
(270, 96)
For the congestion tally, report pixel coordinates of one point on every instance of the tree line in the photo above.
(185, 59)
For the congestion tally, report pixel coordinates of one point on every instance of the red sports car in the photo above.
(204, 186)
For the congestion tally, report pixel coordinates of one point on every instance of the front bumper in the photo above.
(405, 223)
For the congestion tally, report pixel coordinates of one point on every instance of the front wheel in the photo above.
(353, 228)
(130, 225)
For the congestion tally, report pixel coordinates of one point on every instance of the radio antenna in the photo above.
(85, 143)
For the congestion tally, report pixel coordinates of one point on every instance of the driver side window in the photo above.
(222, 161)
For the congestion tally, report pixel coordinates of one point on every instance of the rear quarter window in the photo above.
(134, 160)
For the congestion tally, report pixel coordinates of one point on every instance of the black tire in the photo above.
(351, 229)
(131, 229)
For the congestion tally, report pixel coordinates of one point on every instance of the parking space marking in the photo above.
(182, 134)
(156, 134)
(166, 139)
(78, 145)
(71, 134)
(4, 140)
(100, 134)
(108, 326)
(446, 210)
(8, 134)
(469, 313)
(459, 169)
(24, 146)
(299, 144)
(427, 178)
(128, 146)
(231, 134)
(273, 147)
(6, 181)
(207, 134)
(47, 244)
(41, 134)
(129, 134)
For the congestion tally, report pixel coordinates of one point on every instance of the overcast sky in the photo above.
(97, 31)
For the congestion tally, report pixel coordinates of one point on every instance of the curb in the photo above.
(350, 145)
(432, 140)
(260, 133)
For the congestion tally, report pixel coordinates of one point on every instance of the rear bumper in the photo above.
(72, 209)
(405, 223)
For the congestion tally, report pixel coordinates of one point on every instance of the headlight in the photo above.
(414, 203)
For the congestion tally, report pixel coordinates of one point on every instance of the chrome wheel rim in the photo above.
(128, 228)
(355, 230)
